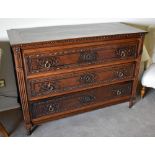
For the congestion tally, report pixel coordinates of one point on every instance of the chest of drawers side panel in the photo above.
(19, 68)
(137, 68)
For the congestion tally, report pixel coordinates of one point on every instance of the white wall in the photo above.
(7, 23)
(6, 70)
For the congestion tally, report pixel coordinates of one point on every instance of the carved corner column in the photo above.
(137, 67)
(22, 87)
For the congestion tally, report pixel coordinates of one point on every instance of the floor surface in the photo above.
(117, 121)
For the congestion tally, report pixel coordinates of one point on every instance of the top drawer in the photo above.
(48, 59)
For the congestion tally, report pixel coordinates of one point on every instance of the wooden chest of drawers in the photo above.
(65, 70)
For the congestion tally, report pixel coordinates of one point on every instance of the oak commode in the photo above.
(65, 70)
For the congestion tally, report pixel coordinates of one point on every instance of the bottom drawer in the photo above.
(76, 101)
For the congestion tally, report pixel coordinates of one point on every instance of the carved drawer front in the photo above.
(40, 61)
(79, 100)
(75, 81)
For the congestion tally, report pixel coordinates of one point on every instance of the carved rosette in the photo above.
(88, 56)
(126, 51)
(121, 74)
(121, 91)
(87, 78)
(39, 63)
(44, 109)
(57, 105)
(43, 88)
(77, 100)
(86, 99)
(48, 62)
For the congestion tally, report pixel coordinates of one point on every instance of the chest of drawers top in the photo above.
(45, 34)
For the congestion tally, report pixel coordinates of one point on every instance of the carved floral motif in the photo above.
(77, 100)
(126, 51)
(46, 86)
(81, 56)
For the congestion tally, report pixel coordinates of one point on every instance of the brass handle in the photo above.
(50, 87)
(47, 87)
(118, 92)
(120, 74)
(123, 54)
(47, 64)
(51, 108)
(88, 78)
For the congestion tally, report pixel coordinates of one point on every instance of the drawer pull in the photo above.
(47, 87)
(118, 92)
(50, 87)
(126, 51)
(120, 74)
(51, 108)
(123, 53)
(47, 64)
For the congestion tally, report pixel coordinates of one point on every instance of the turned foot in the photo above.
(28, 129)
(28, 132)
(142, 92)
(131, 103)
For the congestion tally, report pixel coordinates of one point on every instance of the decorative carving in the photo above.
(38, 64)
(121, 91)
(122, 73)
(48, 62)
(68, 59)
(79, 100)
(87, 99)
(77, 40)
(43, 88)
(88, 78)
(46, 86)
(22, 86)
(82, 56)
(53, 107)
(126, 51)
(88, 56)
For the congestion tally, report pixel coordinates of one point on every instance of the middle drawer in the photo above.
(71, 82)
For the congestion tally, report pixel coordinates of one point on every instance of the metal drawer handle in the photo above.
(47, 87)
(118, 92)
(50, 87)
(123, 54)
(51, 108)
(120, 74)
(47, 64)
